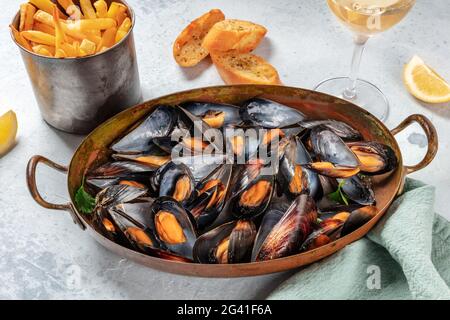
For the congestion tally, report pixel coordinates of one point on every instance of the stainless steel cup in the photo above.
(77, 94)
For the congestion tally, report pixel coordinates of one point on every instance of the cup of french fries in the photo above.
(81, 59)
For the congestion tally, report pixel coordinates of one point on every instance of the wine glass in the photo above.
(364, 18)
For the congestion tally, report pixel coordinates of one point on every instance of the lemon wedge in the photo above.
(424, 83)
(8, 131)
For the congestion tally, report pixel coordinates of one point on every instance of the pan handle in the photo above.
(32, 187)
(430, 132)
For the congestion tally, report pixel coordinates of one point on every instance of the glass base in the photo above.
(368, 96)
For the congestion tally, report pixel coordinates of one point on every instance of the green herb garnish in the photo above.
(84, 201)
(338, 195)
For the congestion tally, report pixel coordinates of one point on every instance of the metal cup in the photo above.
(77, 94)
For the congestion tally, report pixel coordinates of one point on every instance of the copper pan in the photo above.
(94, 151)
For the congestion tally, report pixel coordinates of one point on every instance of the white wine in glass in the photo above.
(364, 18)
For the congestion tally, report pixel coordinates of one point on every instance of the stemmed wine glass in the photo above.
(364, 18)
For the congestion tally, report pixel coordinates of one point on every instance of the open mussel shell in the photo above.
(291, 231)
(343, 130)
(336, 159)
(216, 115)
(292, 176)
(154, 156)
(172, 226)
(119, 172)
(328, 231)
(117, 194)
(358, 218)
(158, 124)
(374, 157)
(202, 165)
(174, 180)
(229, 243)
(358, 190)
(269, 114)
(211, 194)
(253, 190)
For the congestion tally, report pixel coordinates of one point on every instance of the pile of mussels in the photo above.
(215, 209)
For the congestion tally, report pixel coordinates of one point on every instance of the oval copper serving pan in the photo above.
(94, 151)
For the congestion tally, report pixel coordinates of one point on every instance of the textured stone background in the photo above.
(43, 255)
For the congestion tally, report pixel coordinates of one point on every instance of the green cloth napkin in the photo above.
(405, 256)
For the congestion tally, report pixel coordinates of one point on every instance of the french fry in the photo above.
(116, 11)
(88, 10)
(87, 47)
(76, 47)
(91, 24)
(70, 50)
(44, 50)
(47, 6)
(19, 38)
(47, 19)
(39, 37)
(60, 53)
(102, 8)
(60, 37)
(39, 26)
(27, 12)
(108, 38)
(71, 9)
(123, 29)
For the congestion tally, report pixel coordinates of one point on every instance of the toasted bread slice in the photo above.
(239, 68)
(187, 49)
(240, 36)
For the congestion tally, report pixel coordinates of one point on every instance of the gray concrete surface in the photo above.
(44, 255)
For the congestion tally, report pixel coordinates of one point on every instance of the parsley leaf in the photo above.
(84, 201)
(338, 195)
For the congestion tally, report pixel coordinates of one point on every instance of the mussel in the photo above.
(374, 157)
(210, 196)
(343, 130)
(174, 180)
(173, 226)
(358, 218)
(336, 159)
(158, 124)
(292, 176)
(269, 114)
(328, 231)
(253, 191)
(216, 115)
(358, 190)
(154, 156)
(229, 243)
(120, 172)
(291, 231)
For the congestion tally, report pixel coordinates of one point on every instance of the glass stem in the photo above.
(360, 43)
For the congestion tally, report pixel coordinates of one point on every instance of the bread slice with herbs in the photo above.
(187, 48)
(231, 34)
(240, 68)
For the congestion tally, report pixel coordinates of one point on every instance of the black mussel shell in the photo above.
(358, 218)
(158, 124)
(229, 243)
(269, 114)
(340, 128)
(174, 180)
(252, 191)
(153, 157)
(291, 231)
(117, 194)
(328, 231)
(211, 194)
(374, 157)
(270, 219)
(358, 190)
(202, 165)
(292, 176)
(172, 226)
(119, 172)
(216, 115)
